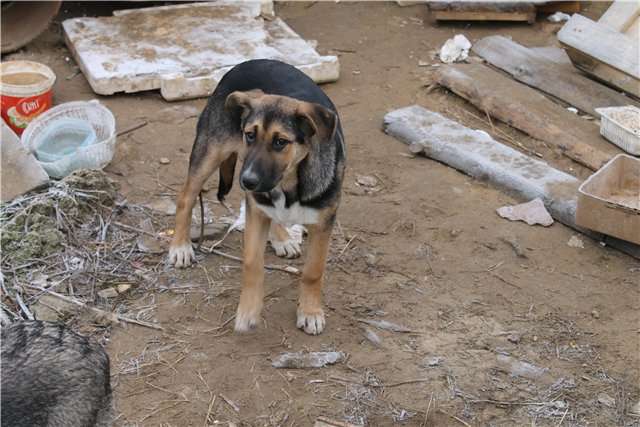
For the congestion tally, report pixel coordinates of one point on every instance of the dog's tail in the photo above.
(227, 171)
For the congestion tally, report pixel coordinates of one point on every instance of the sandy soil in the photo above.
(424, 249)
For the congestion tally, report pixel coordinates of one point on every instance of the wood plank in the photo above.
(634, 29)
(528, 110)
(620, 15)
(484, 16)
(483, 11)
(602, 43)
(559, 6)
(533, 67)
(604, 73)
(477, 154)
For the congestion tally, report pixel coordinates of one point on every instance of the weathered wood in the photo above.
(477, 154)
(604, 73)
(621, 15)
(536, 70)
(602, 43)
(483, 11)
(559, 6)
(528, 110)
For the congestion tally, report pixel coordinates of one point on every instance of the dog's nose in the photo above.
(250, 181)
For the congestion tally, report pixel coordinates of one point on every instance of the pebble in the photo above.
(595, 314)
(606, 400)
(164, 160)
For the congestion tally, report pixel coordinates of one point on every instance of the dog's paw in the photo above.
(181, 255)
(246, 320)
(311, 322)
(286, 249)
(287, 242)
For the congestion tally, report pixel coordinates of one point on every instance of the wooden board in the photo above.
(602, 43)
(477, 154)
(559, 6)
(534, 68)
(483, 11)
(604, 73)
(528, 110)
(621, 15)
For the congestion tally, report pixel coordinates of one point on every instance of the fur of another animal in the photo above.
(53, 377)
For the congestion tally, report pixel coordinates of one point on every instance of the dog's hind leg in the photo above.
(310, 312)
(206, 158)
(255, 241)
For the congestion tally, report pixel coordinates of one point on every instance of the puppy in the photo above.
(288, 136)
(53, 377)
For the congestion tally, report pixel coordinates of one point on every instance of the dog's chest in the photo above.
(293, 214)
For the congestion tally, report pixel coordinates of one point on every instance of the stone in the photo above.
(533, 213)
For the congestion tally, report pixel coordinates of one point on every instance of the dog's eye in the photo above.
(250, 136)
(279, 143)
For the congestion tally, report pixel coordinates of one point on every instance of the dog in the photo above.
(287, 133)
(53, 377)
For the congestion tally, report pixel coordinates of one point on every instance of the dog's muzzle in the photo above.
(249, 180)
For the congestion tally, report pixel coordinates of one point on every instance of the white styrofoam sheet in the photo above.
(184, 50)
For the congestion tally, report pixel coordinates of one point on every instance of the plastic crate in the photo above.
(624, 135)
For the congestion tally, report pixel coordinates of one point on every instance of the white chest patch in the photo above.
(294, 214)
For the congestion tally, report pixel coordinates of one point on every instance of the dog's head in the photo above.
(278, 132)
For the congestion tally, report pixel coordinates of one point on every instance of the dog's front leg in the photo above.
(255, 241)
(205, 159)
(310, 312)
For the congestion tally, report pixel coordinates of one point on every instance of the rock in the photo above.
(595, 314)
(52, 309)
(455, 49)
(606, 400)
(366, 181)
(123, 288)
(164, 160)
(164, 205)
(20, 170)
(514, 338)
(432, 362)
(533, 212)
(108, 293)
(575, 242)
(518, 368)
(147, 243)
(314, 359)
(372, 337)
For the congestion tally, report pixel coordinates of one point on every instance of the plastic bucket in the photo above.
(25, 92)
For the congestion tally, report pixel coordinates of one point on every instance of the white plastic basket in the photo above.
(94, 156)
(621, 134)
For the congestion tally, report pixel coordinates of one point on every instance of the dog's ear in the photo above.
(238, 104)
(314, 119)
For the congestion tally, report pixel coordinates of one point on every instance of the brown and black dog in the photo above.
(287, 133)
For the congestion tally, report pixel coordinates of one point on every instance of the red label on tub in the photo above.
(18, 112)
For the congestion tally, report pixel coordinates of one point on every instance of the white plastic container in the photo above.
(621, 125)
(92, 156)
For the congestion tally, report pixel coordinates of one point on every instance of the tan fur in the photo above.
(310, 312)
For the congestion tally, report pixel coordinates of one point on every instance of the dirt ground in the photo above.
(424, 249)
